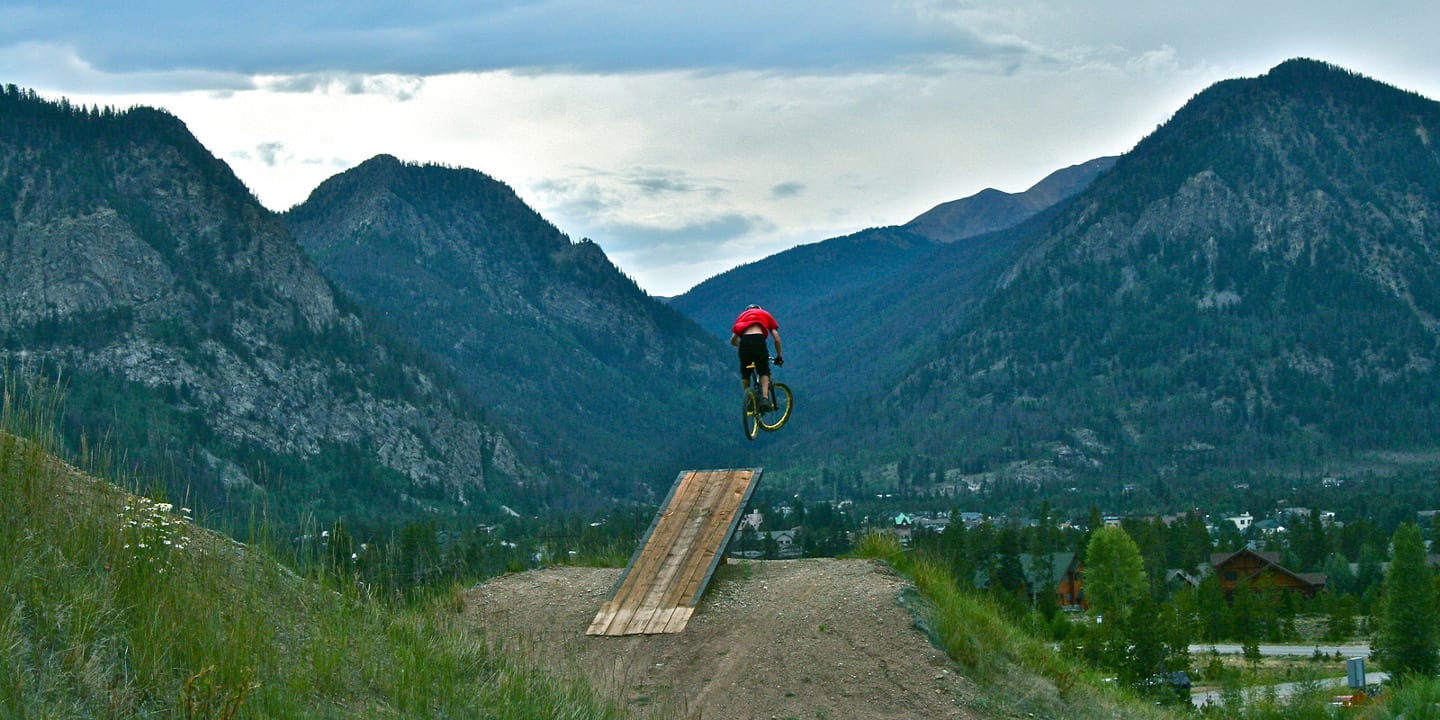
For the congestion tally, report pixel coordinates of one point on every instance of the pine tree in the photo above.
(1339, 578)
(1211, 609)
(1407, 643)
(1146, 642)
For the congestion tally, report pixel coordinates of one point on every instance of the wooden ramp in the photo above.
(668, 573)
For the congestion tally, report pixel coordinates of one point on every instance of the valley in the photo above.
(416, 394)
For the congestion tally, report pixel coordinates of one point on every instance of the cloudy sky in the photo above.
(689, 137)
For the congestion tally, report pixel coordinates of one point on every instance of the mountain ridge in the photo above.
(1225, 278)
(1252, 283)
(991, 210)
(1201, 306)
(548, 329)
(822, 285)
(190, 323)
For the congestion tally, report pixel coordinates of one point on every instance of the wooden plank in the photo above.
(618, 612)
(711, 545)
(651, 555)
(667, 575)
(719, 510)
(609, 614)
(691, 525)
(699, 550)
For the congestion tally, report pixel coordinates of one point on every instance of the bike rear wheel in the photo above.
(752, 414)
(784, 401)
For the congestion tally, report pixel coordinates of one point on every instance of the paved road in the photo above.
(1283, 690)
(1345, 651)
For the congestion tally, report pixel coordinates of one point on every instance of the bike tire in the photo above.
(784, 403)
(751, 415)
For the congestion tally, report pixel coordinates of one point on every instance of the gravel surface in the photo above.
(804, 639)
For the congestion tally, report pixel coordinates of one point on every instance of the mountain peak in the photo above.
(142, 265)
(1262, 261)
(1307, 68)
(990, 209)
(483, 283)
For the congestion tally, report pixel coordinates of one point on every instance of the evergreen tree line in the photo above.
(1139, 621)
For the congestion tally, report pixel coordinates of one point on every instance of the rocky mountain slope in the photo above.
(611, 383)
(1254, 283)
(990, 210)
(194, 333)
(1257, 280)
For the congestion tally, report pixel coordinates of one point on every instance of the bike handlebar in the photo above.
(778, 360)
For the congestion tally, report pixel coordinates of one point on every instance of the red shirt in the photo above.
(754, 316)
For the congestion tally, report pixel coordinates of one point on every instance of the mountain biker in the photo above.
(748, 333)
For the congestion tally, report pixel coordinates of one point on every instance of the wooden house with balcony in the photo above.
(1264, 572)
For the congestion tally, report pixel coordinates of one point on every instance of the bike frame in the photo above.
(756, 419)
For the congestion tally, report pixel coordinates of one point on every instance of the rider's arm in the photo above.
(734, 339)
(775, 335)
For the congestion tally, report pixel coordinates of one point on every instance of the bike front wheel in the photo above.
(752, 414)
(784, 402)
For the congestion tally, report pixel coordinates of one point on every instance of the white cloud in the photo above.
(62, 67)
(399, 87)
(683, 136)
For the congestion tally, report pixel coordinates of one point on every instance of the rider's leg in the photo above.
(765, 387)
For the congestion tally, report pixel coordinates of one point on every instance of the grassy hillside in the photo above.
(1021, 675)
(115, 605)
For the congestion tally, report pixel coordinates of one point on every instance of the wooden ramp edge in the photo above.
(667, 575)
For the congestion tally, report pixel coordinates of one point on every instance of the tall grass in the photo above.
(1023, 676)
(114, 605)
(1416, 699)
(1017, 674)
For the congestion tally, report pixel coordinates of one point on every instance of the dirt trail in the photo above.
(804, 639)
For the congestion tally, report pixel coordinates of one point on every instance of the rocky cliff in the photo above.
(191, 328)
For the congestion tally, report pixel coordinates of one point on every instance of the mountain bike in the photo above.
(768, 419)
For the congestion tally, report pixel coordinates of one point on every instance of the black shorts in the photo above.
(754, 349)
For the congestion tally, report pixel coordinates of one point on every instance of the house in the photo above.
(1060, 573)
(1242, 521)
(753, 520)
(903, 526)
(1303, 514)
(1176, 578)
(934, 523)
(784, 545)
(1262, 570)
(1269, 526)
(972, 520)
(1064, 576)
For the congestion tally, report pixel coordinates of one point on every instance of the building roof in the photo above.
(1269, 561)
(1060, 564)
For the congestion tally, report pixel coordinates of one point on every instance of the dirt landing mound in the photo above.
(804, 639)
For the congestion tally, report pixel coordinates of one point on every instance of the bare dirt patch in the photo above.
(803, 639)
